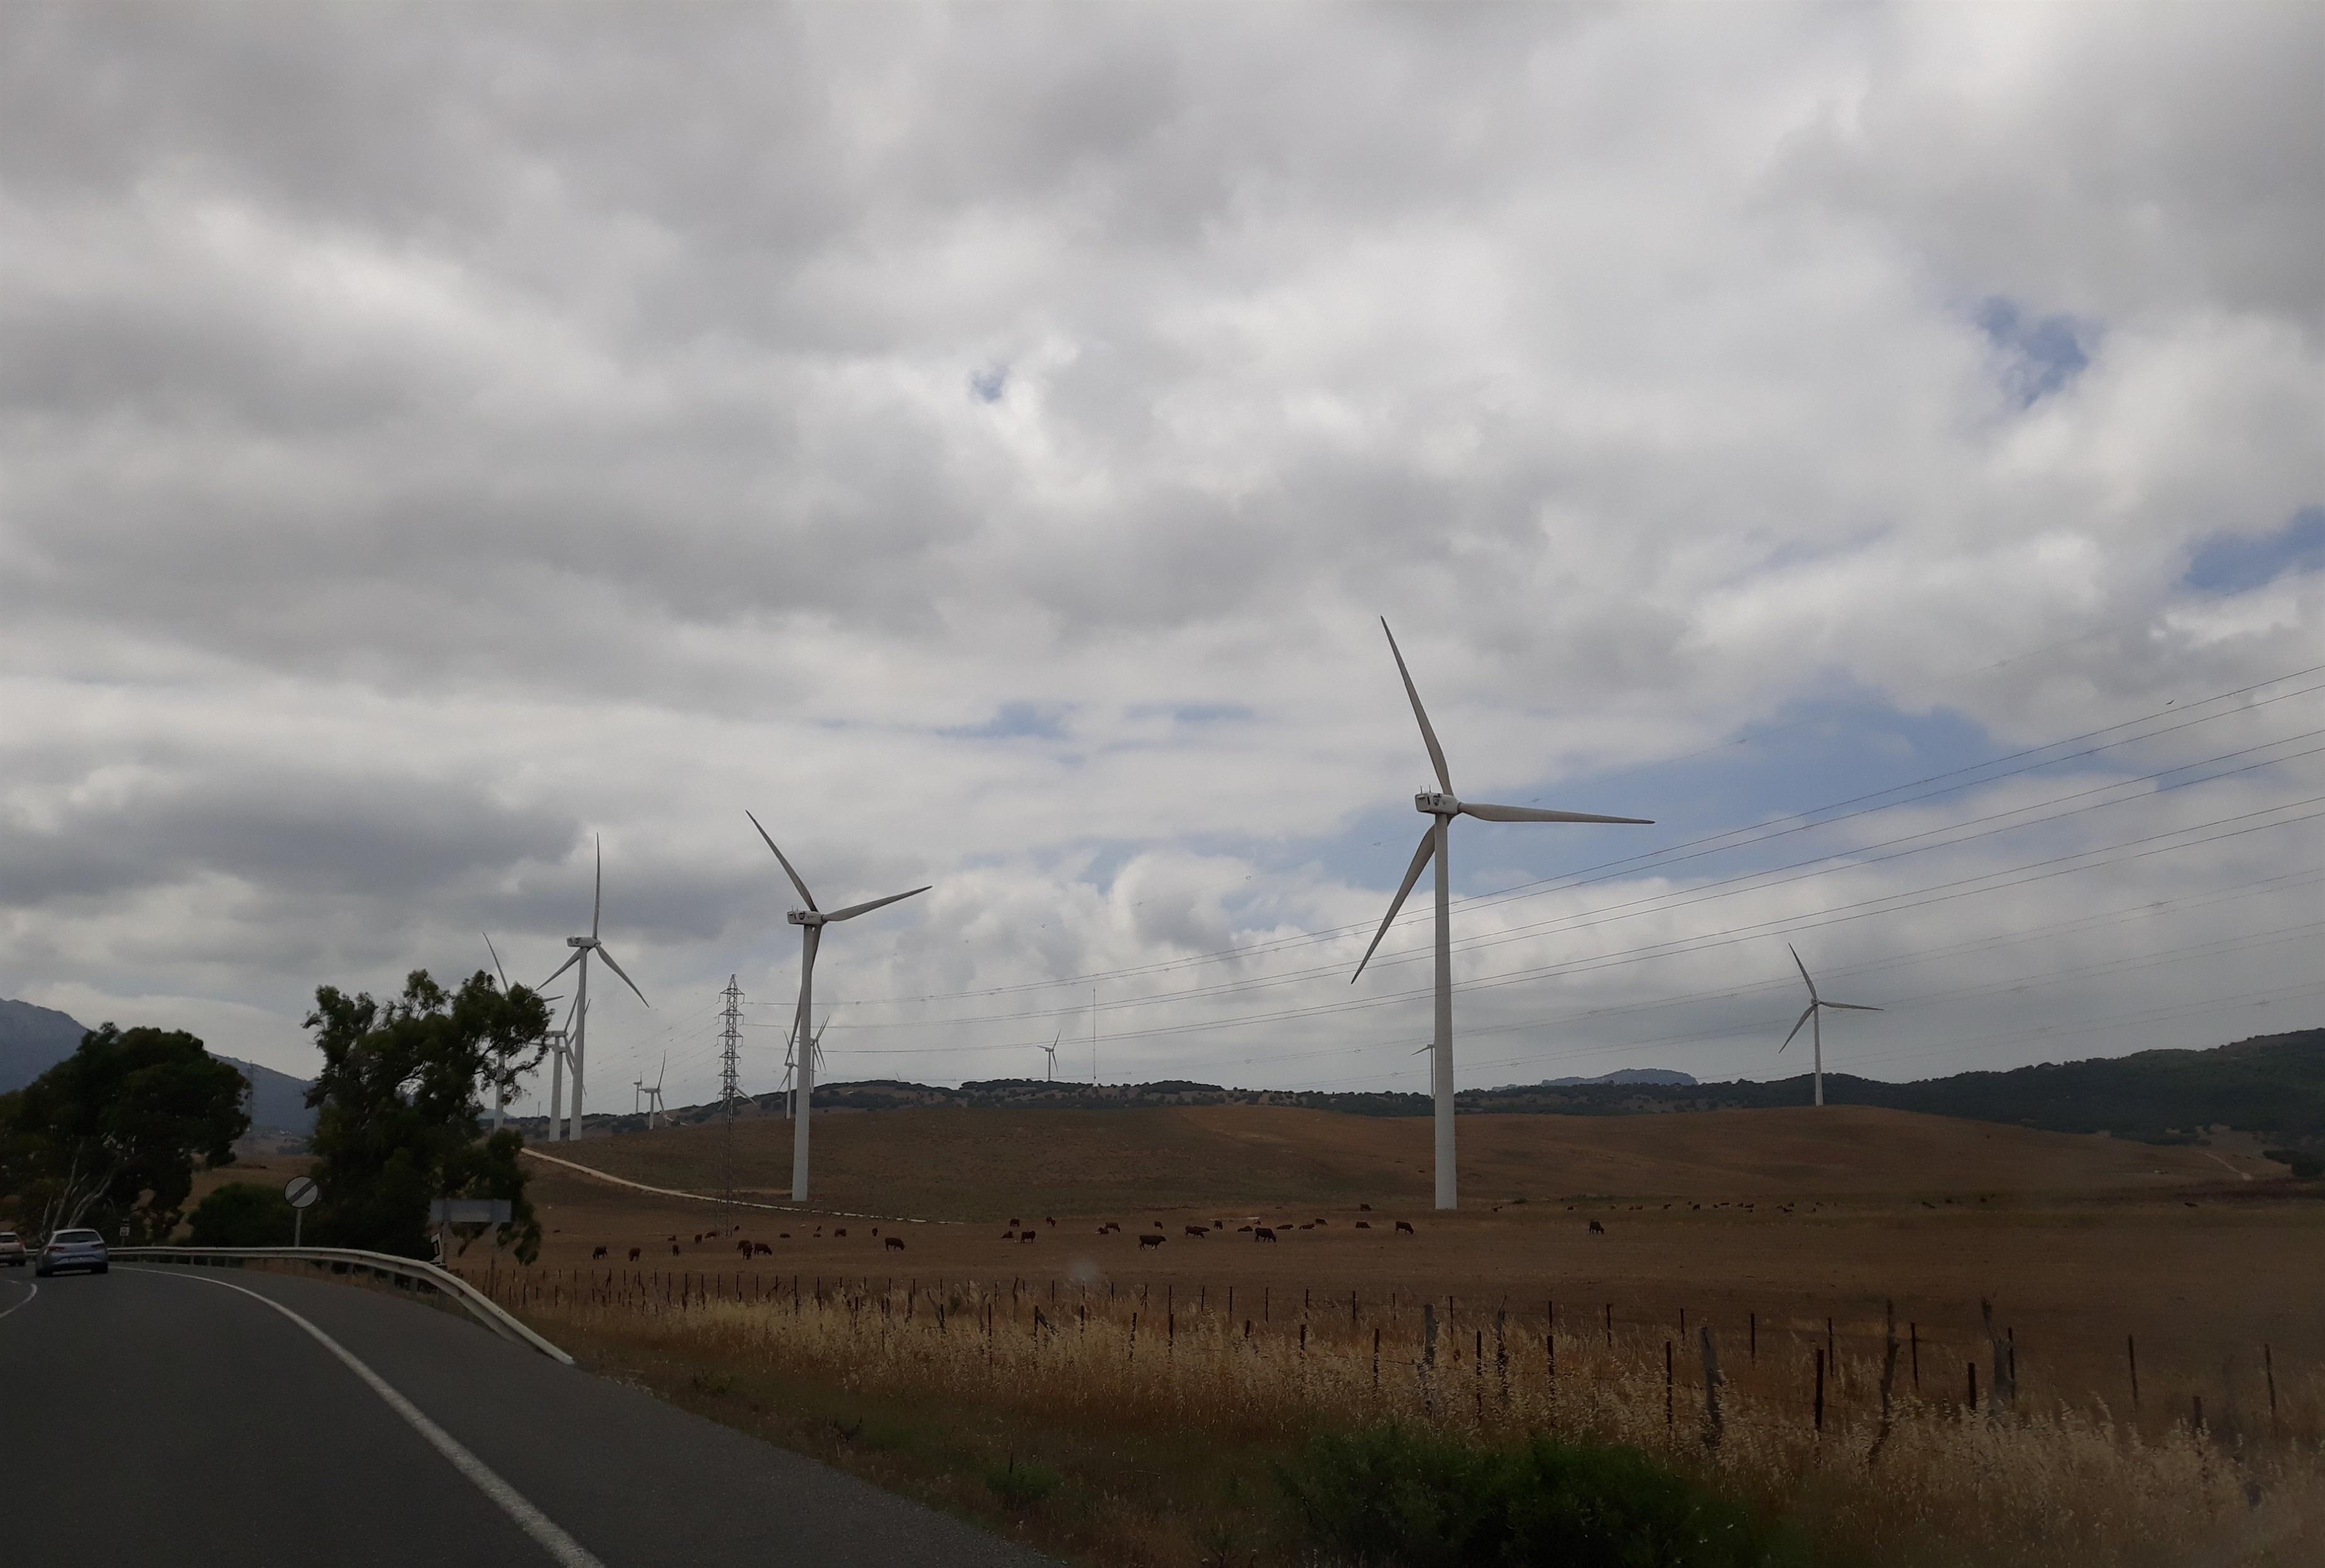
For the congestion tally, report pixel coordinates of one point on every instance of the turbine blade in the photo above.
(1412, 875)
(1852, 1006)
(663, 1073)
(1436, 751)
(1797, 1025)
(561, 968)
(853, 910)
(1532, 813)
(1430, 1046)
(795, 876)
(598, 899)
(626, 978)
(495, 952)
(1803, 969)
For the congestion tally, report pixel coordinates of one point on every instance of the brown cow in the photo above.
(634, 1253)
(1196, 1231)
(1407, 1227)
(1146, 1242)
(601, 1252)
(895, 1244)
(1262, 1233)
(1597, 1228)
(1027, 1234)
(761, 1250)
(1364, 1225)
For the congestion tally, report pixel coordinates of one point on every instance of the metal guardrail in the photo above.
(406, 1272)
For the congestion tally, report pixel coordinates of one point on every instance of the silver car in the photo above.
(73, 1250)
(11, 1250)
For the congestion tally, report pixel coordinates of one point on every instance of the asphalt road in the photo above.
(152, 1415)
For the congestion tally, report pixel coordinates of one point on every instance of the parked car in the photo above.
(73, 1250)
(11, 1250)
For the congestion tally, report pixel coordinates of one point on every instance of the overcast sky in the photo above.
(982, 441)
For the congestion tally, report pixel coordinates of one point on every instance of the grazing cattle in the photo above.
(1009, 1235)
(784, 1236)
(1364, 1225)
(673, 1249)
(875, 1229)
(1012, 1225)
(841, 1231)
(1196, 1231)
(1243, 1229)
(1322, 1221)
(1027, 1234)
(895, 1244)
(1262, 1233)
(1597, 1228)
(761, 1250)
(601, 1252)
(1146, 1242)
(1407, 1227)
(697, 1238)
(1054, 1221)
(1368, 1208)
(1218, 1225)
(634, 1253)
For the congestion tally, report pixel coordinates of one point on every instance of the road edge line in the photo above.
(544, 1531)
(30, 1286)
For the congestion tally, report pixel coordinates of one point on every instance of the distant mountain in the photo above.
(32, 1040)
(1623, 1076)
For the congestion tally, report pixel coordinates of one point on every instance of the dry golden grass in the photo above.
(2044, 1483)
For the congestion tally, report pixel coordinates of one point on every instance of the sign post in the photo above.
(302, 1192)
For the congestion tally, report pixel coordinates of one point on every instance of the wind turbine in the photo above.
(500, 1091)
(1442, 807)
(1050, 1051)
(812, 922)
(1813, 1016)
(582, 947)
(655, 1110)
(790, 1046)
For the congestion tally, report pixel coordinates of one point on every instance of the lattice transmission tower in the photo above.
(730, 1093)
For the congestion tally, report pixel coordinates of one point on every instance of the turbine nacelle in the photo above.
(807, 917)
(1436, 804)
(581, 942)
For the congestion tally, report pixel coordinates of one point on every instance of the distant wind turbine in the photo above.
(656, 1110)
(1442, 806)
(1813, 1016)
(500, 1091)
(1050, 1051)
(812, 922)
(790, 1061)
(582, 947)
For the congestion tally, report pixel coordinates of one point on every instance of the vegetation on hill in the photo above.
(2274, 1084)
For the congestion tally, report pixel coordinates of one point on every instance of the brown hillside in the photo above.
(991, 1164)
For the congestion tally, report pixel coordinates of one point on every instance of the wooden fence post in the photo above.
(1714, 1426)
(2131, 1354)
(1667, 1391)
(1819, 1390)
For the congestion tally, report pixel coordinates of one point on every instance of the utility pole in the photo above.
(729, 1089)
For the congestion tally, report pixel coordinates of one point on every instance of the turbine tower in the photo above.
(1441, 806)
(582, 947)
(810, 922)
(1813, 1016)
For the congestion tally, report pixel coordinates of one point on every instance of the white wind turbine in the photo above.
(1813, 1016)
(812, 922)
(655, 1108)
(582, 947)
(556, 1037)
(1442, 807)
(791, 1047)
(1050, 1051)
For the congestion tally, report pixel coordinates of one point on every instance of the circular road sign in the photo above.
(301, 1191)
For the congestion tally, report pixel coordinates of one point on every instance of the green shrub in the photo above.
(2306, 1166)
(243, 1214)
(1391, 1498)
(1021, 1486)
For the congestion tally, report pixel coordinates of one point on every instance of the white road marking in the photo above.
(530, 1519)
(21, 1306)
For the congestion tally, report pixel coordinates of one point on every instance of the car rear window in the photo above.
(78, 1237)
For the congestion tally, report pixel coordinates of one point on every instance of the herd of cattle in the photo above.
(1018, 1231)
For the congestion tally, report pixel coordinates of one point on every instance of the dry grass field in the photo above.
(1787, 1232)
